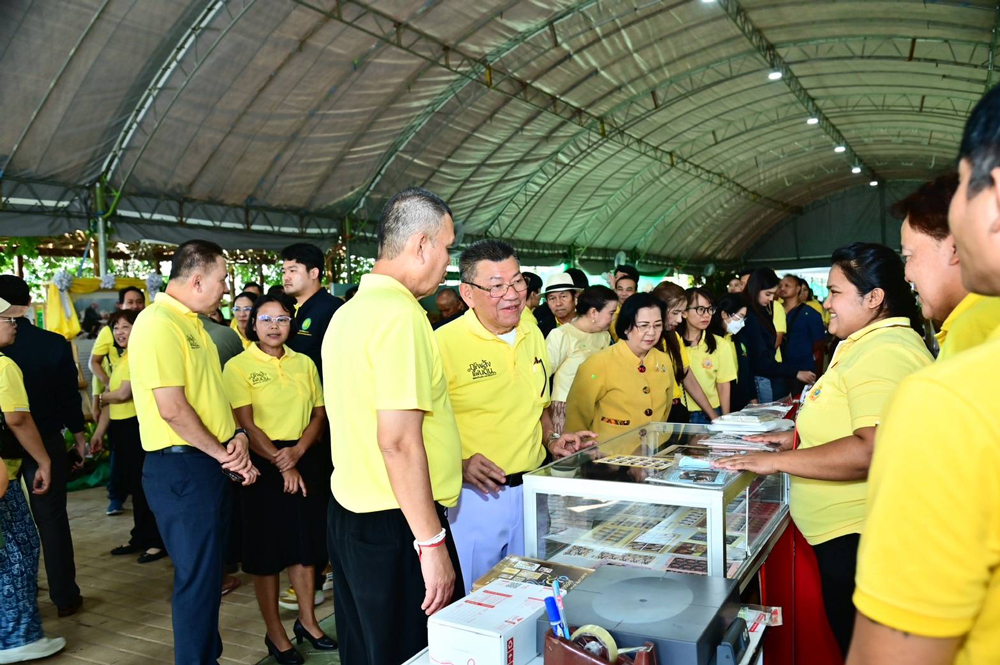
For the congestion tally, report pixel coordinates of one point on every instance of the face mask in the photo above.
(735, 326)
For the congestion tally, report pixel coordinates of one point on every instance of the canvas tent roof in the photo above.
(645, 126)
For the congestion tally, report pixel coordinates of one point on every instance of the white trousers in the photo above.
(486, 528)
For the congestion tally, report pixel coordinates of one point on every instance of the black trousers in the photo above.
(49, 511)
(378, 585)
(125, 435)
(192, 501)
(838, 561)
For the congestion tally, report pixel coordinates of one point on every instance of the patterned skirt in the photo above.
(20, 620)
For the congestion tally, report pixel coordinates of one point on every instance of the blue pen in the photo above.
(560, 608)
(553, 612)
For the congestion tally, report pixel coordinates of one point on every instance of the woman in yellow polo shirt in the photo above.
(628, 384)
(872, 309)
(711, 358)
(119, 420)
(686, 386)
(21, 636)
(242, 304)
(278, 399)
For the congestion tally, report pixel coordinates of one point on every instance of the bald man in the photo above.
(450, 305)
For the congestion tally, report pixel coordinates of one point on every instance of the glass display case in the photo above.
(649, 498)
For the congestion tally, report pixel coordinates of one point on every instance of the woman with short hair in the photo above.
(628, 384)
(278, 399)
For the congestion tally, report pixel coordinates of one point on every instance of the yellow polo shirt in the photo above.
(282, 391)
(499, 391)
(610, 396)
(529, 315)
(119, 374)
(865, 371)
(12, 398)
(380, 354)
(968, 325)
(169, 347)
(929, 561)
(711, 369)
(104, 345)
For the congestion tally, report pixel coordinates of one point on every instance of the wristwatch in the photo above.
(239, 430)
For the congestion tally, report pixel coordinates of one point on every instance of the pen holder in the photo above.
(559, 651)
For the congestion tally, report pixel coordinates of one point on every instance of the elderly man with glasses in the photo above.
(497, 369)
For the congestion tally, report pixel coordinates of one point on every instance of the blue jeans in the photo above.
(192, 501)
(20, 620)
(700, 418)
(769, 390)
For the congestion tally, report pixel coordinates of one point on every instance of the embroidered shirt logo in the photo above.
(306, 324)
(257, 378)
(192, 342)
(707, 363)
(815, 394)
(481, 370)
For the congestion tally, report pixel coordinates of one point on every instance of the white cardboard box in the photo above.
(492, 626)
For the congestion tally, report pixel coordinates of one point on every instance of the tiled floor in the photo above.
(126, 613)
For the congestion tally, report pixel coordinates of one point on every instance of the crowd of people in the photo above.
(310, 431)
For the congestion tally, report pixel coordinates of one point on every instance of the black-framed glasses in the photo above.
(702, 311)
(500, 290)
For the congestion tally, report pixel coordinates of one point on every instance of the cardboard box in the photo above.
(534, 571)
(492, 626)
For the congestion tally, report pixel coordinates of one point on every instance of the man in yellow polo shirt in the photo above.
(191, 442)
(497, 368)
(396, 453)
(928, 579)
(932, 266)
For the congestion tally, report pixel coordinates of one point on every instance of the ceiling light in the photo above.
(873, 183)
(812, 121)
(839, 148)
(775, 75)
(708, 2)
(856, 169)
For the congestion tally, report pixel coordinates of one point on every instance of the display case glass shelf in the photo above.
(649, 498)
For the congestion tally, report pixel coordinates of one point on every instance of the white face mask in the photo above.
(735, 325)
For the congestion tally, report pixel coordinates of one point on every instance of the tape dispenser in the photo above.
(593, 645)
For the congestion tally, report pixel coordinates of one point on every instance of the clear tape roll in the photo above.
(599, 634)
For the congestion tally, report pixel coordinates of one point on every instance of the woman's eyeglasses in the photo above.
(702, 311)
(242, 309)
(282, 321)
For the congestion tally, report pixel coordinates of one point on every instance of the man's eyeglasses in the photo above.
(500, 290)
(7, 319)
(242, 309)
(282, 321)
(702, 311)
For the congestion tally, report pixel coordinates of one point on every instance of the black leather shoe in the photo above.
(148, 557)
(70, 609)
(125, 549)
(324, 643)
(290, 657)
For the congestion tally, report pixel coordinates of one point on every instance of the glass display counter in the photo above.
(649, 498)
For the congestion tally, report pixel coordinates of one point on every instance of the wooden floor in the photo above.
(125, 618)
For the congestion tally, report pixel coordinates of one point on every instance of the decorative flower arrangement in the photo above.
(108, 282)
(63, 280)
(154, 284)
